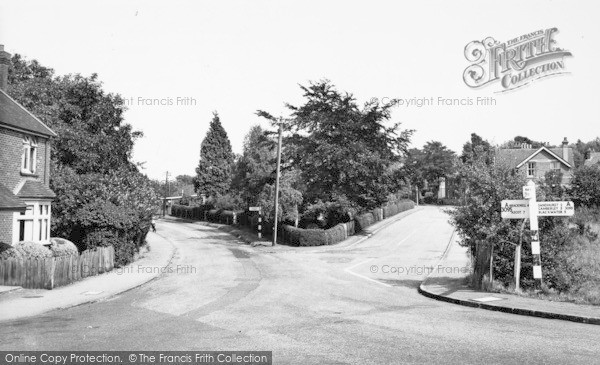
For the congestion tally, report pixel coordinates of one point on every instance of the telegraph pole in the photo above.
(277, 181)
(165, 191)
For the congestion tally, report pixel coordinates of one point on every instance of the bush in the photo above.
(33, 250)
(9, 252)
(339, 210)
(586, 186)
(97, 209)
(61, 247)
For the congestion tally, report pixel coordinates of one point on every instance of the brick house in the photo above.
(534, 163)
(25, 196)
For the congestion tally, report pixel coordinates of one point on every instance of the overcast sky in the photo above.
(239, 56)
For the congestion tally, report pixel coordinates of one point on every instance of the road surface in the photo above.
(353, 304)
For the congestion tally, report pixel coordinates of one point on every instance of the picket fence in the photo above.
(53, 272)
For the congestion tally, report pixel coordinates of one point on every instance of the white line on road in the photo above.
(348, 270)
(405, 238)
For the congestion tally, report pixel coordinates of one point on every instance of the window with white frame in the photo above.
(530, 169)
(34, 223)
(556, 166)
(29, 157)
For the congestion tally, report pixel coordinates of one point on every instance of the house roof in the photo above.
(14, 115)
(35, 189)
(8, 201)
(593, 160)
(516, 157)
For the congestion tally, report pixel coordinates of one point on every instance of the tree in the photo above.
(256, 167)
(102, 198)
(216, 161)
(431, 163)
(586, 186)
(343, 149)
(478, 221)
(92, 135)
(476, 148)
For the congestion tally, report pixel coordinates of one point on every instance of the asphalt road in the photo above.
(353, 304)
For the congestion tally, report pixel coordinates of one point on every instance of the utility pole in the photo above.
(277, 181)
(165, 191)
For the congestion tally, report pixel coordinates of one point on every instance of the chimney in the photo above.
(4, 61)
(565, 149)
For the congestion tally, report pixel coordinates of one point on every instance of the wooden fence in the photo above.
(53, 272)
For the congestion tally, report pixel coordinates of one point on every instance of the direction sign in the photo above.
(514, 209)
(528, 192)
(556, 208)
(254, 209)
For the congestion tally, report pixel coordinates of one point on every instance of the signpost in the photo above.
(530, 208)
(257, 209)
(514, 209)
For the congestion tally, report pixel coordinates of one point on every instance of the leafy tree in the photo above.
(256, 167)
(478, 221)
(341, 148)
(289, 199)
(101, 199)
(476, 148)
(431, 163)
(216, 160)
(586, 186)
(92, 135)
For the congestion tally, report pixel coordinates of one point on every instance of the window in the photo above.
(34, 223)
(556, 166)
(530, 169)
(29, 157)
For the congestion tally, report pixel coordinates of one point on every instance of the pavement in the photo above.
(448, 282)
(16, 302)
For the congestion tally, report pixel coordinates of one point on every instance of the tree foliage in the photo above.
(92, 135)
(341, 148)
(213, 174)
(102, 198)
(431, 163)
(256, 167)
(475, 149)
(478, 221)
(585, 186)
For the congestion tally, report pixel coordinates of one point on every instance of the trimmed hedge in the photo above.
(377, 214)
(184, 211)
(363, 221)
(316, 237)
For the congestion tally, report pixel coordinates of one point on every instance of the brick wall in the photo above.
(6, 222)
(11, 143)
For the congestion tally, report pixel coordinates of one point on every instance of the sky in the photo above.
(176, 62)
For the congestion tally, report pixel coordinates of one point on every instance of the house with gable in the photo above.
(25, 196)
(534, 163)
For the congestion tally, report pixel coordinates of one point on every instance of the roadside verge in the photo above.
(447, 282)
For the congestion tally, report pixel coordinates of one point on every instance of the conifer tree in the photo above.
(213, 174)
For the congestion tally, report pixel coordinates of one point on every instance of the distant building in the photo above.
(534, 163)
(593, 159)
(25, 196)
